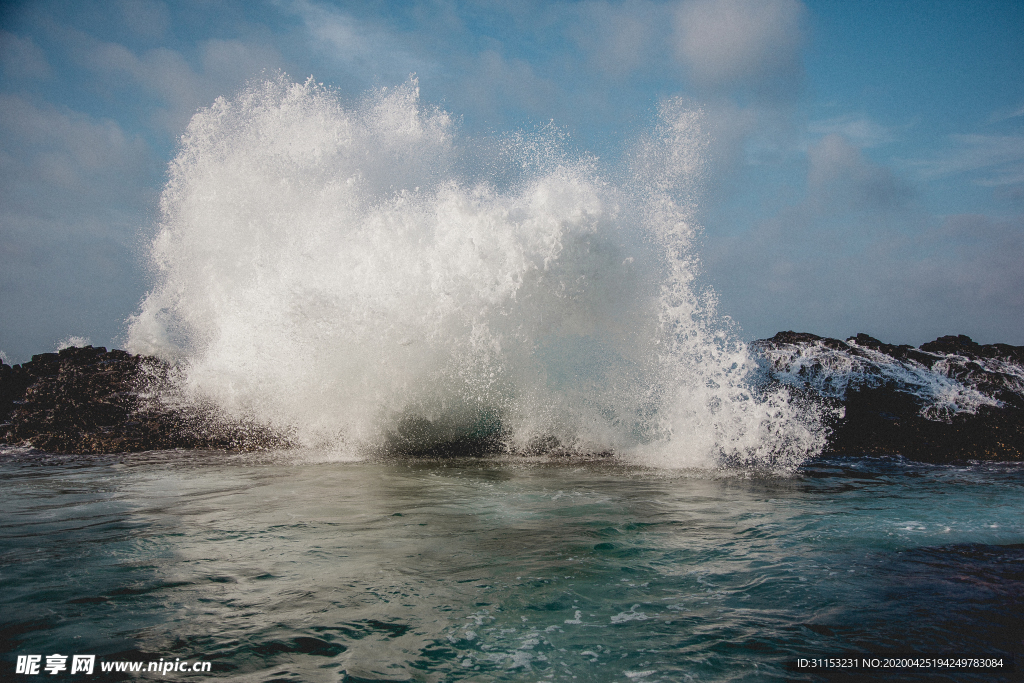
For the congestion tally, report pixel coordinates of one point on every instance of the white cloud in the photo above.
(57, 161)
(168, 76)
(721, 44)
(753, 43)
(497, 85)
(993, 160)
(20, 57)
(145, 18)
(838, 175)
(856, 254)
(371, 51)
(857, 128)
(1006, 114)
(960, 275)
(75, 191)
(966, 270)
(620, 38)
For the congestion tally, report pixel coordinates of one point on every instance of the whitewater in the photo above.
(367, 279)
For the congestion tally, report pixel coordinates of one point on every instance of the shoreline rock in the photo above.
(948, 401)
(88, 400)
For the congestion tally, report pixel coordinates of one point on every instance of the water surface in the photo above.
(286, 567)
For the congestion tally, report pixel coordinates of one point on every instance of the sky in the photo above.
(865, 171)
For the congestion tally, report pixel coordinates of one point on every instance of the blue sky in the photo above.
(866, 170)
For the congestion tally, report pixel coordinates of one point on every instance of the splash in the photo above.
(945, 384)
(72, 342)
(368, 280)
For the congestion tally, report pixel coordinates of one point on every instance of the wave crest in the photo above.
(366, 278)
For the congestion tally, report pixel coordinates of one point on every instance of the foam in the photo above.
(945, 388)
(368, 280)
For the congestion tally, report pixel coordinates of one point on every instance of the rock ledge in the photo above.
(948, 401)
(89, 400)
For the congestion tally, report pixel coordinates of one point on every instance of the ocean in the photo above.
(292, 567)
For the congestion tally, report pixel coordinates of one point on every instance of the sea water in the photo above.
(287, 567)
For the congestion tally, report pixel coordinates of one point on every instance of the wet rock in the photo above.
(948, 401)
(90, 400)
(951, 400)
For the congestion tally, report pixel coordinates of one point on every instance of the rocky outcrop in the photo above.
(948, 401)
(90, 400)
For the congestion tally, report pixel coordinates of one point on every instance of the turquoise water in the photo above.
(282, 568)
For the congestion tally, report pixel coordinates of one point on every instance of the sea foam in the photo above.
(367, 279)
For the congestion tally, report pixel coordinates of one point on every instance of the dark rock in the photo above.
(886, 421)
(962, 345)
(888, 396)
(90, 400)
(803, 338)
(899, 352)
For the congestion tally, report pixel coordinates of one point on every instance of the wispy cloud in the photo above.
(74, 190)
(1006, 114)
(61, 163)
(21, 58)
(857, 128)
(839, 176)
(752, 43)
(371, 51)
(621, 38)
(991, 160)
(171, 84)
(497, 85)
(146, 18)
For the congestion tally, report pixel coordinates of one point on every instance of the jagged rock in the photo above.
(90, 400)
(963, 345)
(949, 401)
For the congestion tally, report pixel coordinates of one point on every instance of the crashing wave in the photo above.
(367, 279)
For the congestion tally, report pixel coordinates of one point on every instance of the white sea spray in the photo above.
(72, 342)
(945, 386)
(367, 279)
